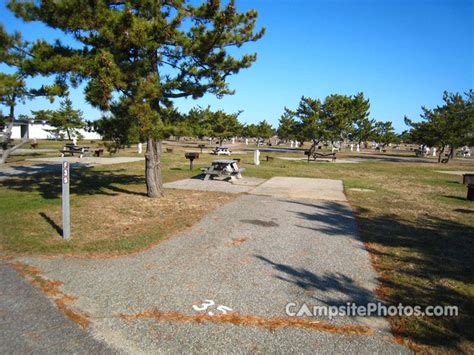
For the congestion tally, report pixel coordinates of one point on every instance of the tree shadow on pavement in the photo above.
(334, 218)
(426, 261)
(331, 283)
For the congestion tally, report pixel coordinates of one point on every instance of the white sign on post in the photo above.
(65, 188)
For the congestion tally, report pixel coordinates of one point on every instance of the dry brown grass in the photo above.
(248, 320)
(51, 288)
(238, 241)
(129, 215)
(110, 225)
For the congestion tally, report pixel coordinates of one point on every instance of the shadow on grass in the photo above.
(450, 197)
(84, 181)
(393, 158)
(464, 210)
(433, 265)
(52, 223)
(428, 262)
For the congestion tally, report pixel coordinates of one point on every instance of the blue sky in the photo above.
(402, 54)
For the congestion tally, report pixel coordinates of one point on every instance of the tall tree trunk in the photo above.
(441, 151)
(154, 184)
(312, 149)
(6, 151)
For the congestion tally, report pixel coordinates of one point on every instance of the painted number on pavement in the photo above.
(210, 303)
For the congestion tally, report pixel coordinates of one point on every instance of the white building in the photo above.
(41, 131)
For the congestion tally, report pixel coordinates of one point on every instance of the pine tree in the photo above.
(384, 132)
(264, 130)
(451, 124)
(198, 119)
(287, 127)
(223, 125)
(15, 52)
(362, 126)
(311, 123)
(144, 54)
(337, 112)
(66, 119)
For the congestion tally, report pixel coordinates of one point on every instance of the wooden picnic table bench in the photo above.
(72, 149)
(221, 151)
(315, 155)
(323, 155)
(222, 168)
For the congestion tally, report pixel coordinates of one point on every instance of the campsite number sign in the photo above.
(65, 199)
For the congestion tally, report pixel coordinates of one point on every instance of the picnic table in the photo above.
(220, 151)
(72, 149)
(315, 155)
(324, 156)
(223, 168)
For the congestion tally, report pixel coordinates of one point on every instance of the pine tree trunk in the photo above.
(312, 149)
(441, 151)
(6, 151)
(154, 185)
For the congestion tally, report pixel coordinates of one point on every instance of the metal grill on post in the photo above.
(191, 157)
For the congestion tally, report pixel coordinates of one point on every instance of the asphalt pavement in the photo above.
(31, 323)
(250, 258)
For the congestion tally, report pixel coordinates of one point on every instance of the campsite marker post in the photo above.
(65, 184)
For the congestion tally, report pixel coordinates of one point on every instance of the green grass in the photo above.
(417, 226)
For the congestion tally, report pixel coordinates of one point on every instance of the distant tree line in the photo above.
(337, 118)
(198, 122)
(448, 125)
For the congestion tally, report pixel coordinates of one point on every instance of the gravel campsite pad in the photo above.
(246, 260)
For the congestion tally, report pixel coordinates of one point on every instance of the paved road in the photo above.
(30, 323)
(254, 255)
(53, 164)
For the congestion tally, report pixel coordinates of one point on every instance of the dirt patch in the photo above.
(247, 320)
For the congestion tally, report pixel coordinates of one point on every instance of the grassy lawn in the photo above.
(416, 224)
